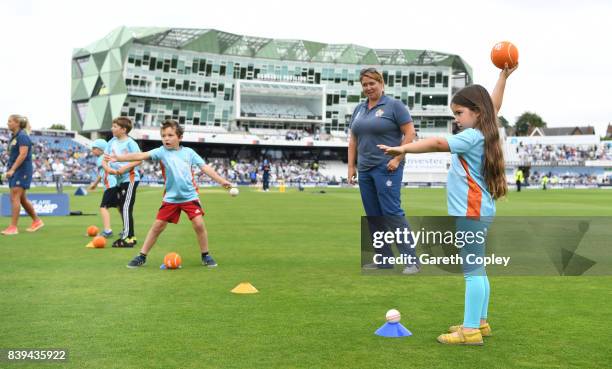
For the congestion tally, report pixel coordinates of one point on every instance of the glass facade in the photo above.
(191, 76)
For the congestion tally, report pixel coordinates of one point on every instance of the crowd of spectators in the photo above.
(290, 171)
(568, 179)
(250, 171)
(78, 161)
(80, 164)
(571, 153)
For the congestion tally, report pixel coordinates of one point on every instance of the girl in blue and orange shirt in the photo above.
(475, 180)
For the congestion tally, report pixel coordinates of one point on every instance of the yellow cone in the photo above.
(90, 245)
(244, 288)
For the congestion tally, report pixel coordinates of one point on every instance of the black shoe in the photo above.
(138, 261)
(123, 243)
(131, 242)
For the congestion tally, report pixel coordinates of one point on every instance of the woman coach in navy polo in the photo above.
(378, 120)
(19, 173)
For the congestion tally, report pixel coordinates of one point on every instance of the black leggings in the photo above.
(127, 198)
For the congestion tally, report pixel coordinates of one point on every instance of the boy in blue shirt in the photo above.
(110, 198)
(181, 192)
(127, 176)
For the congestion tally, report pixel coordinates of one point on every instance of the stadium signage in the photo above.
(598, 163)
(428, 163)
(274, 77)
(548, 163)
(44, 204)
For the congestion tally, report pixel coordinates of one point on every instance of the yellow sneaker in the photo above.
(485, 329)
(90, 245)
(461, 338)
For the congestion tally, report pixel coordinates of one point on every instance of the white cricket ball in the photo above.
(234, 191)
(393, 316)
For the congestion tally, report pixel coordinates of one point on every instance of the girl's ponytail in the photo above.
(23, 121)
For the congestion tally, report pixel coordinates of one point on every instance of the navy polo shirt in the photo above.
(379, 125)
(20, 139)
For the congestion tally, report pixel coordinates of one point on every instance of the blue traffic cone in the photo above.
(393, 330)
(80, 192)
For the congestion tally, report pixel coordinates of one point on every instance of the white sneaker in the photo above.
(411, 269)
(374, 266)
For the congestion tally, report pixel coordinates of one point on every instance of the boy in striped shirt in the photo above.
(110, 197)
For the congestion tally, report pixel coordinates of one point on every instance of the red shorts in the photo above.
(171, 212)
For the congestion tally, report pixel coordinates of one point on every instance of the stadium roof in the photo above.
(224, 43)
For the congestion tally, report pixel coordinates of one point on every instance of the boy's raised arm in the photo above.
(209, 171)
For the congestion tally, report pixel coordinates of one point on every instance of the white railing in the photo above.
(172, 94)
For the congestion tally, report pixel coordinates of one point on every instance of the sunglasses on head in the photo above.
(367, 70)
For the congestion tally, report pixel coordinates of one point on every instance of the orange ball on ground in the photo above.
(99, 242)
(172, 260)
(92, 231)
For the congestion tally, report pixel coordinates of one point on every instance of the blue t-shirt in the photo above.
(467, 191)
(20, 139)
(379, 125)
(125, 146)
(109, 180)
(178, 174)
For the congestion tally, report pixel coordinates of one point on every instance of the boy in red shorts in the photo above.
(181, 193)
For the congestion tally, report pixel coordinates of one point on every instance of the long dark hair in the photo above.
(477, 99)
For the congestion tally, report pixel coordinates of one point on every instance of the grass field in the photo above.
(314, 309)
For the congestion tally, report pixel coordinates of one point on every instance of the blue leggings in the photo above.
(477, 288)
(477, 292)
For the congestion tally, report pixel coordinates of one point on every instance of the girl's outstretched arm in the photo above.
(432, 144)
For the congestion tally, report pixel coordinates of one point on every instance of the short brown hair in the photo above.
(171, 123)
(124, 122)
(371, 73)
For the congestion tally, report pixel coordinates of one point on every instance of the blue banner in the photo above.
(44, 204)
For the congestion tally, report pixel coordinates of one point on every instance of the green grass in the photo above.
(314, 309)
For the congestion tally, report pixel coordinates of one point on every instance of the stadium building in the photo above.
(245, 97)
(214, 81)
